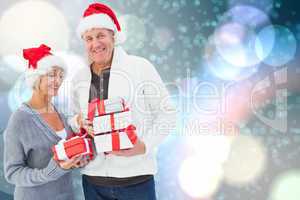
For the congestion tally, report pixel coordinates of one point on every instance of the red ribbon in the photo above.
(74, 147)
(130, 131)
(91, 154)
(33, 55)
(101, 107)
(112, 122)
(115, 137)
(93, 105)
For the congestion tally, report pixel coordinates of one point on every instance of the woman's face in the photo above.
(50, 82)
(99, 44)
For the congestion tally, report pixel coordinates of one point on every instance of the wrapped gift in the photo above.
(116, 140)
(66, 149)
(98, 107)
(111, 122)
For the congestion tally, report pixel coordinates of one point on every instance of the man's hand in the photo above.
(138, 148)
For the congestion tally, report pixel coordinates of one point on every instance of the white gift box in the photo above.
(115, 141)
(66, 149)
(111, 122)
(101, 107)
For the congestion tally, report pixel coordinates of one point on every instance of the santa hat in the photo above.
(98, 15)
(40, 62)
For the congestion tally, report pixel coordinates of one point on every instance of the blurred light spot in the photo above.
(163, 38)
(211, 148)
(226, 71)
(8, 75)
(235, 38)
(249, 16)
(199, 179)
(31, 23)
(264, 42)
(19, 94)
(16, 63)
(265, 5)
(134, 29)
(228, 39)
(283, 46)
(246, 161)
(286, 186)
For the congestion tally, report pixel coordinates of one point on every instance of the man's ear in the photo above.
(113, 35)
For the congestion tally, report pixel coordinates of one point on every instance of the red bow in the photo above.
(33, 55)
(93, 105)
(130, 131)
(99, 8)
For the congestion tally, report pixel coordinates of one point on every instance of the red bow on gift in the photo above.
(93, 105)
(130, 131)
(33, 55)
(98, 8)
(82, 133)
(66, 149)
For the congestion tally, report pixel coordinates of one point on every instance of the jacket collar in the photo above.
(40, 122)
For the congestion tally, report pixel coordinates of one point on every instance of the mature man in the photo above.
(125, 174)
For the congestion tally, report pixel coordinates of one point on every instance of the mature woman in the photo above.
(33, 129)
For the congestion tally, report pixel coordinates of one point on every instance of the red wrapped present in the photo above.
(66, 149)
(111, 122)
(104, 107)
(116, 140)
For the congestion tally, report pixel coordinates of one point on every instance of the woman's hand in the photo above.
(83, 162)
(71, 163)
(85, 124)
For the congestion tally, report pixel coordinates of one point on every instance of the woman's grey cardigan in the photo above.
(28, 162)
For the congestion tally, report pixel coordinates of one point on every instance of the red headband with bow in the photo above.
(33, 55)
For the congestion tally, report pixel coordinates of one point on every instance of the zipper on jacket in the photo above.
(105, 161)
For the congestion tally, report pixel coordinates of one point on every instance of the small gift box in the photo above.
(116, 140)
(104, 107)
(111, 122)
(66, 149)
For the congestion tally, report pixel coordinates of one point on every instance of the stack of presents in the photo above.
(112, 131)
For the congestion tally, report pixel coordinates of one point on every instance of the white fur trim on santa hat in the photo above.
(99, 21)
(43, 67)
(120, 37)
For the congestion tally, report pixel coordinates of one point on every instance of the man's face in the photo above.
(99, 44)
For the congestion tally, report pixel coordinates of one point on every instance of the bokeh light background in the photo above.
(231, 66)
